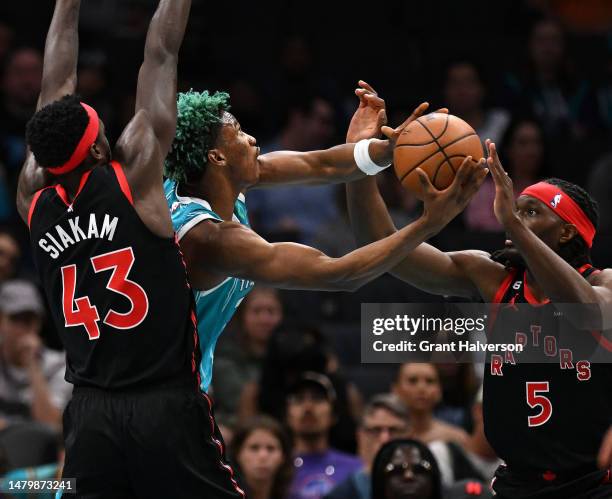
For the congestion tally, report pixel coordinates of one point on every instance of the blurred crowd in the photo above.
(303, 418)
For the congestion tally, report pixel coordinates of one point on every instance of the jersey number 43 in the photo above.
(80, 311)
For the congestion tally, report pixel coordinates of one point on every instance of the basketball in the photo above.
(437, 143)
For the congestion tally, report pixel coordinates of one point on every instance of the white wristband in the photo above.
(363, 160)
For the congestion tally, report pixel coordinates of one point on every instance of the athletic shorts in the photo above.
(146, 444)
(595, 484)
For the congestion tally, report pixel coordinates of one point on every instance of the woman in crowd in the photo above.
(239, 356)
(261, 451)
(523, 149)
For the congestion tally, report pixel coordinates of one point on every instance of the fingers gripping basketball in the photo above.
(437, 143)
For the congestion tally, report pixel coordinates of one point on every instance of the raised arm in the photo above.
(427, 268)
(232, 249)
(338, 163)
(59, 79)
(155, 112)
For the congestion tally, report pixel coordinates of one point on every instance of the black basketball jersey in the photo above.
(118, 293)
(545, 417)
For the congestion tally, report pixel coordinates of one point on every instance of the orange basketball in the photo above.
(437, 143)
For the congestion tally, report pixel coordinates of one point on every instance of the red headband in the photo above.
(82, 149)
(564, 206)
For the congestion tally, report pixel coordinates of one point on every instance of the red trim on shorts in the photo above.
(33, 204)
(123, 183)
(219, 445)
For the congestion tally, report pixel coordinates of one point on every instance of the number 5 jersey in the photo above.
(118, 293)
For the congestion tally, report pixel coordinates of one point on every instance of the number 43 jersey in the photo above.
(118, 294)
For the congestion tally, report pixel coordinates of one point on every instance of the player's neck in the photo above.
(219, 192)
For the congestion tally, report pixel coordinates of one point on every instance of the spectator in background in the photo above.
(560, 100)
(474, 460)
(20, 90)
(240, 355)
(262, 452)
(92, 83)
(459, 387)
(296, 213)
(418, 386)
(291, 352)
(32, 385)
(599, 185)
(385, 418)
(523, 153)
(10, 254)
(310, 416)
(405, 469)
(7, 34)
(465, 93)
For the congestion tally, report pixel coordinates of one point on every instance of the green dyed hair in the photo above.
(198, 118)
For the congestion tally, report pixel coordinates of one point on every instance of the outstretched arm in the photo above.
(427, 268)
(338, 163)
(59, 79)
(232, 249)
(557, 278)
(155, 112)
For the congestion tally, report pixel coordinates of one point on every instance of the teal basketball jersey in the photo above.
(216, 306)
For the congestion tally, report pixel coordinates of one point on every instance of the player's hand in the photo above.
(604, 459)
(504, 205)
(369, 117)
(440, 207)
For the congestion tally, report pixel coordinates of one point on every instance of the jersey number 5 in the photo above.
(534, 399)
(86, 314)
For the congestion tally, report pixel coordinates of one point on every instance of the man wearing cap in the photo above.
(32, 384)
(310, 416)
(385, 418)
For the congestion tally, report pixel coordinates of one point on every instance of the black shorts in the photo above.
(592, 484)
(152, 443)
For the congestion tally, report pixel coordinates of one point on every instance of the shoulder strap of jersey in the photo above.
(503, 287)
(187, 212)
(123, 183)
(34, 201)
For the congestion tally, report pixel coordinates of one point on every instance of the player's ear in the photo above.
(216, 157)
(568, 233)
(96, 151)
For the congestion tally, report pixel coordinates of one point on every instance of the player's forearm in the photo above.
(167, 29)
(359, 267)
(558, 279)
(368, 213)
(61, 51)
(333, 165)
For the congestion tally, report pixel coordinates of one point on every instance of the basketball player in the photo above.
(104, 246)
(213, 161)
(546, 421)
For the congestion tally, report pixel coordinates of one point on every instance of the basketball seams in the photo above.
(438, 144)
(440, 149)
